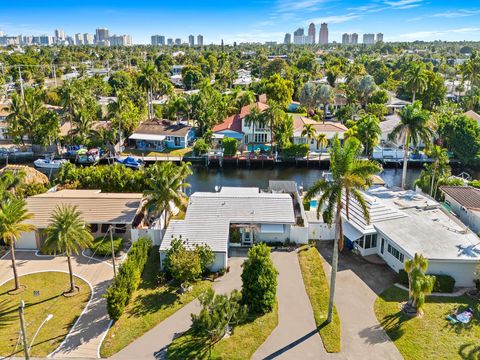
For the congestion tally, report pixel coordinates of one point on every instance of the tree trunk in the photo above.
(405, 159)
(433, 181)
(333, 277)
(320, 156)
(14, 264)
(324, 113)
(413, 97)
(366, 145)
(70, 270)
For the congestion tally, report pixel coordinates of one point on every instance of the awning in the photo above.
(272, 228)
(350, 232)
(151, 137)
(218, 136)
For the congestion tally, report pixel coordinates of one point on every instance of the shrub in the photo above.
(230, 146)
(200, 147)
(102, 245)
(259, 279)
(206, 256)
(296, 150)
(443, 283)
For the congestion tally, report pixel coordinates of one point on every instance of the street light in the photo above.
(48, 318)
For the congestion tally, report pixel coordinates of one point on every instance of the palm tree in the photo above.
(322, 142)
(9, 181)
(415, 125)
(325, 96)
(148, 81)
(350, 175)
(252, 119)
(166, 182)
(438, 166)
(13, 215)
(68, 233)
(416, 78)
(309, 132)
(274, 115)
(369, 131)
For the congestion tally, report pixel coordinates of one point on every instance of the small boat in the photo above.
(130, 162)
(88, 157)
(49, 163)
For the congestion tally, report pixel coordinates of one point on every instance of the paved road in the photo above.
(154, 343)
(296, 336)
(84, 338)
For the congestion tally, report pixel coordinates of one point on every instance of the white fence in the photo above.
(155, 235)
(299, 234)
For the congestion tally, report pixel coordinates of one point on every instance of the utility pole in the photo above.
(113, 253)
(21, 309)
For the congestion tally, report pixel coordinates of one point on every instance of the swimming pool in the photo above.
(259, 147)
(313, 204)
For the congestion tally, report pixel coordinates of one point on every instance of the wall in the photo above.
(320, 231)
(299, 234)
(155, 235)
(462, 272)
(468, 217)
(170, 142)
(27, 240)
(391, 260)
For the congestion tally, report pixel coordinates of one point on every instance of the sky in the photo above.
(246, 20)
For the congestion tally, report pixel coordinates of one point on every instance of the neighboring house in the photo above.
(403, 223)
(465, 203)
(159, 134)
(3, 122)
(330, 129)
(99, 210)
(231, 127)
(67, 129)
(394, 104)
(473, 115)
(234, 217)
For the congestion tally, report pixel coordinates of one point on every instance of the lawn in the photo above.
(430, 336)
(151, 304)
(241, 344)
(167, 152)
(317, 288)
(50, 300)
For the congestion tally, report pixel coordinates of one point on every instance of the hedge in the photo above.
(443, 283)
(296, 150)
(120, 292)
(102, 245)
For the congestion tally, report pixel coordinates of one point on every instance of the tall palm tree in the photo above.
(68, 233)
(325, 96)
(9, 181)
(369, 131)
(166, 182)
(13, 215)
(350, 175)
(438, 167)
(274, 115)
(415, 126)
(253, 119)
(148, 81)
(416, 78)
(309, 132)
(322, 142)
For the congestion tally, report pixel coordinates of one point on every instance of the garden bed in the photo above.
(102, 246)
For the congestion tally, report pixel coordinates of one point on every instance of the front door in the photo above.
(382, 246)
(177, 141)
(247, 237)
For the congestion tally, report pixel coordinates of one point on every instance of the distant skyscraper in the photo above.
(59, 35)
(200, 40)
(45, 40)
(101, 35)
(299, 36)
(191, 40)
(354, 39)
(178, 41)
(78, 39)
(346, 39)
(323, 37)
(369, 39)
(169, 41)
(87, 39)
(311, 33)
(120, 40)
(287, 39)
(158, 40)
(379, 37)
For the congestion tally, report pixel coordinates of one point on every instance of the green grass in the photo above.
(430, 336)
(167, 152)
(50, 300)
(102, 245)
(241, 344)
(317, 288)
(151, 304)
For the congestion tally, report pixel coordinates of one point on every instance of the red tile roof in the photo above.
(234, 122)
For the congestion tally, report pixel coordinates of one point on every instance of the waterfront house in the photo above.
(329, 128)
(100, 210)
(236, 217)
(157, 135)
(403, 223)
(464, 201)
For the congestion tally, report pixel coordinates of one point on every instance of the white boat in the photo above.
(49, 164)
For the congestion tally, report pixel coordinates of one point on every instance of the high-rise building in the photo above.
(59, 35)
(299, 36)
(323, 36)
(120, 40)
(346, 39)
(78, 39)
(287, 39)
(200, 40)
(45, 40)
(178, 41)
(354, 39)
(169, 41)
(158, 40)
(191, 40)
(311, 33)
(87, 39)
(369, 39)
(101, 35)
(379, 37)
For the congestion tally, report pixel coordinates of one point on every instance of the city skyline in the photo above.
(400, 20)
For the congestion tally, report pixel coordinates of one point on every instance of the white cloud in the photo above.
(294, 5)
(457, 13)
(335, 19)
(404, 4)
(253, 36)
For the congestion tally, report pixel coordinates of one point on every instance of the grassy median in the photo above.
(317, 288)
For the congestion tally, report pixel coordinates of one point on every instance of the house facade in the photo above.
(159, 135)
(465, 203)
(330, 129)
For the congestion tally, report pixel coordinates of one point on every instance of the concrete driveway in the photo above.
(358, 285)
(84, 338)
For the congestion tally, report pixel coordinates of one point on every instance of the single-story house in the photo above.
(67, 129)
(394, 104)
(100, 210)
(157, 134)
(465, 203)
(403, 223)
(234, 216)
(329, 128)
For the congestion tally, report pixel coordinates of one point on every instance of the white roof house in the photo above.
(403, 223)
(210, 215)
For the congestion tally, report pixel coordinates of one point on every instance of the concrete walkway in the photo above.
(296, 336)
(85, 336)
(154, 343)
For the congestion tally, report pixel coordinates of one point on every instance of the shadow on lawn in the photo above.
(153, 302)
(469, 351)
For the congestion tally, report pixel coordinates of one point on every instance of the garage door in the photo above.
(27, 241)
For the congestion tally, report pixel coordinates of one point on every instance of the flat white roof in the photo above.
(210, 214)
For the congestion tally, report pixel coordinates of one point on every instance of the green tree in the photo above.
(364, 88)
(416, 78)
(229, 146)
(309, 132)
(273, 116)
(419, 284)
(252, 120)
(350, 175)
(332, 73)
(181, 263)
(279, 90)
(324, 96)
(13, 218)
(191, 76)
(415, 126)
(379, 97)
(322, 142)
(200, 147)
(284, 131)
(148, 80)
(307, 96)
(259, 279)
(368, 132)
(377, 110)
(68, 233)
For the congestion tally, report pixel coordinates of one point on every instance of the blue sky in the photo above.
(246, 20)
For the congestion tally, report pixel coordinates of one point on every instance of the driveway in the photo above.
(358, 285)
(153, 344)
(84, 338)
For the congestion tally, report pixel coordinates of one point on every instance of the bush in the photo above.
(120, 293)
(200, 147)
(296, 150)
(259, 280)
(230, 146)
(443, 283)
(102, 245)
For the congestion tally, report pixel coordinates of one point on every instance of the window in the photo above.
(312, 141)
(368, 242)
(93, 228)
(105, 227)
(120, 229)
(395, 252)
